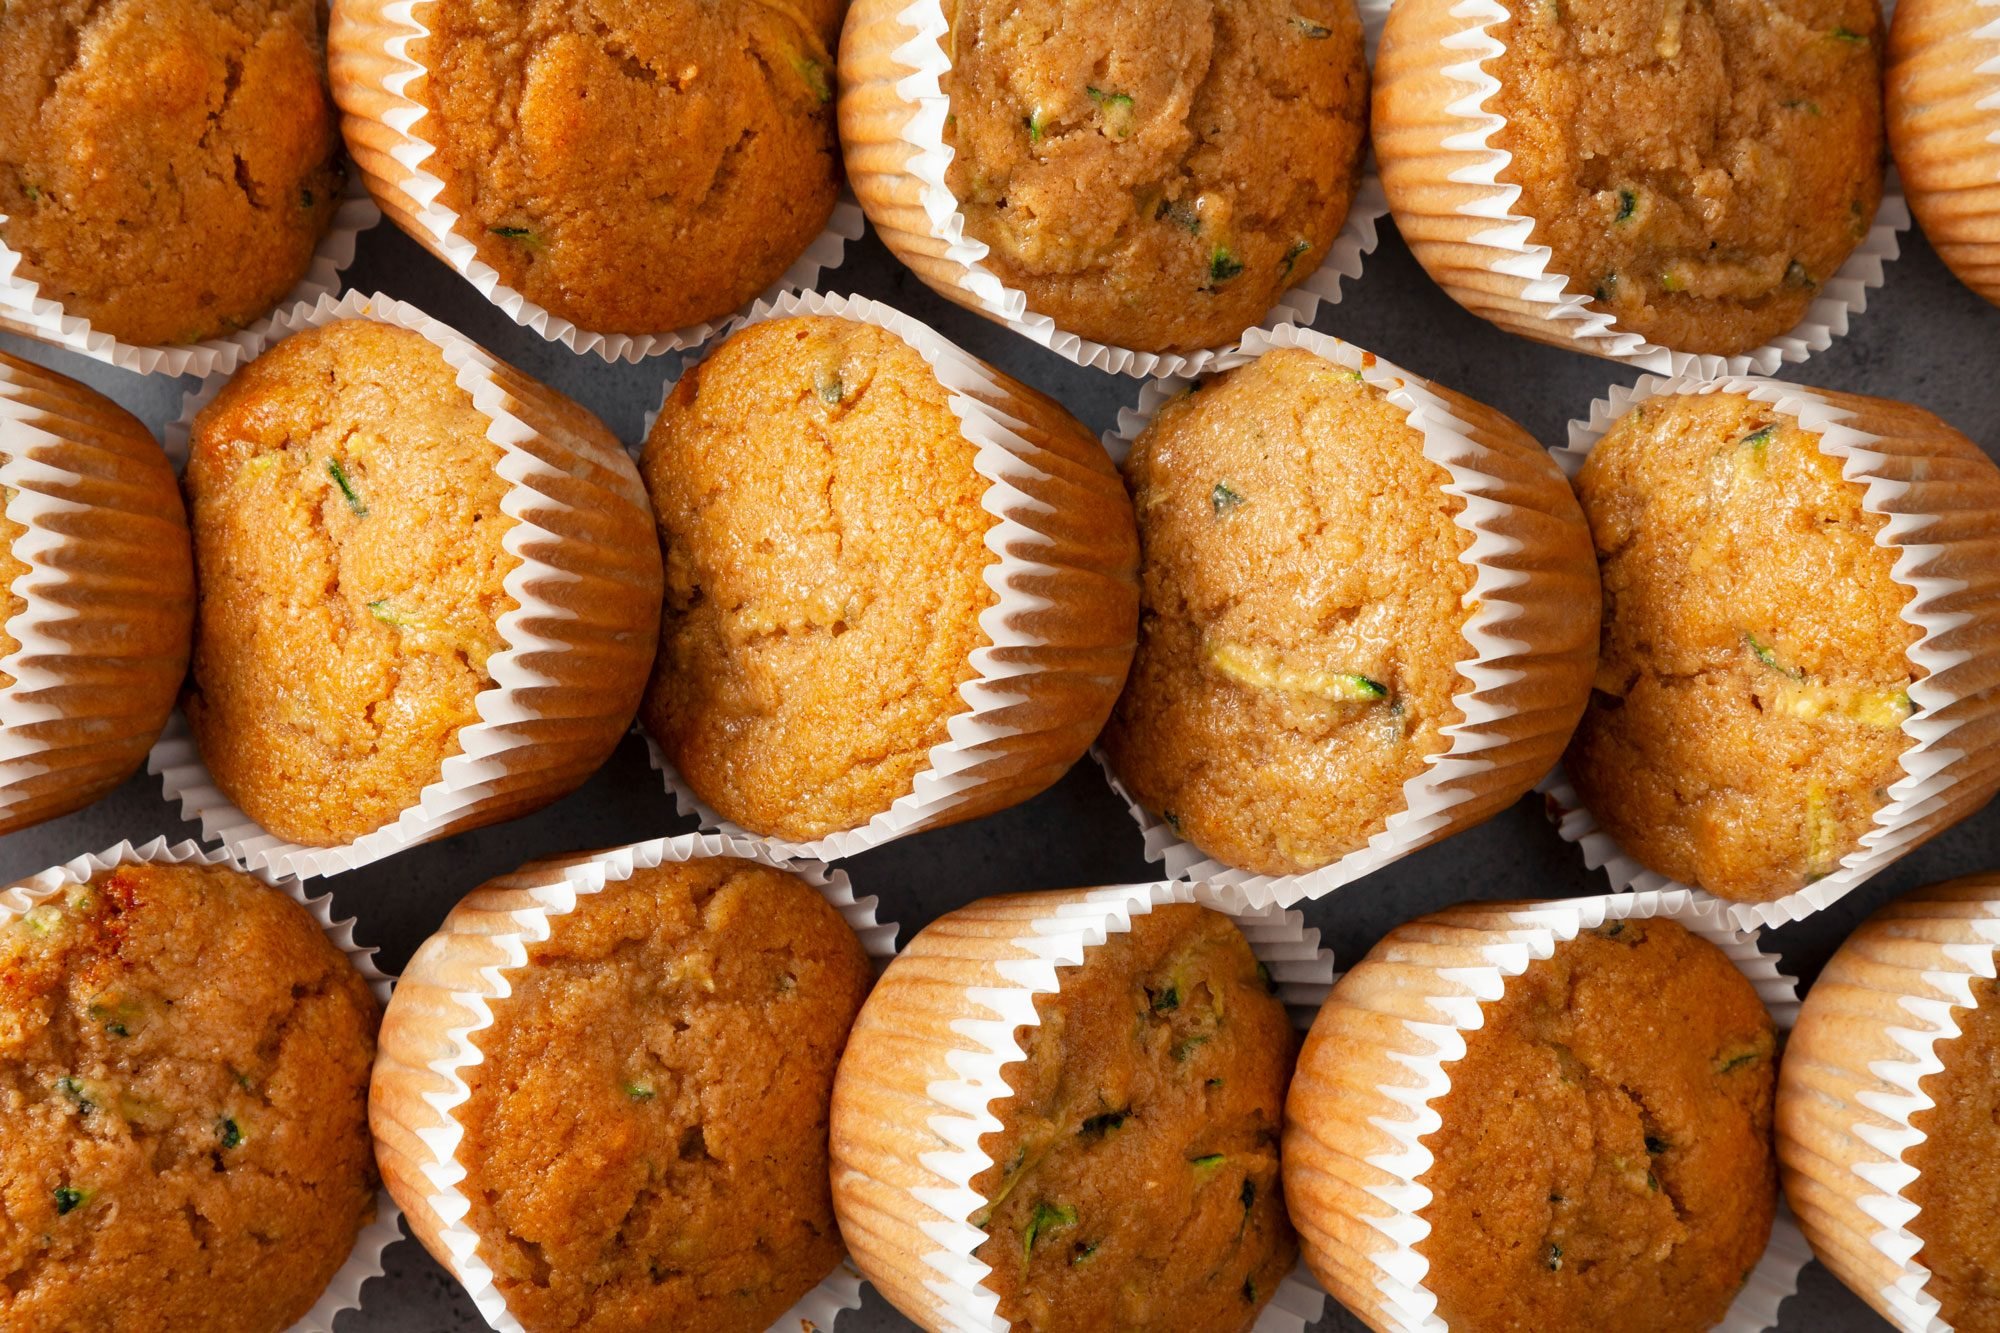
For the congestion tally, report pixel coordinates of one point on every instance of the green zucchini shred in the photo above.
(1846, 34)
(1165, 1001)
(1313, 32)
(1183, 1052)
(1292, 255)
(1100, 1125)
(815, 76)
(73, 1089)
(525, 235)
(1222, 500)
(638, 1092)
(228, 1133)
(1207, 1164)
(1181, 213)
(1223, 265)
(1628, 204)
(1250, 1290)
(1555, 1257)
(1047, 1217)
(340, 479)
(68, 1200)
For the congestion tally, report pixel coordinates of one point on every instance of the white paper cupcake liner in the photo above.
(1384, 1262)
(520, 913)
(929, 1194)
(1868, 1040)
(24, 310)
(1009, 461)
(365, 1261)
(923, 62)
(1519, 270)
(1433, 798)
(498, 746)
(397, 68)
(1954, 703)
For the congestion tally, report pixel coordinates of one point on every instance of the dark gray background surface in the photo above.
(1925, 339)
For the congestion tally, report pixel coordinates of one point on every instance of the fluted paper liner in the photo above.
(1867, 1037)
(1944, 124)
(927, 1060)
(24, 310)
(546, 723)
(893, 64)
(343, 1292)
(372, 54)
(1530, 646)
(1061, 633)
(1941, 498)
(445, 1000)
(1460, 217)
(1354, 1155)
(108, 596)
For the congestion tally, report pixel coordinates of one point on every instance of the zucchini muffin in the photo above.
(1957, 1189)
(646, 1132)
(167, 167)
(1304, 599)
(183, 1074)
(631, 167)
(1155, 175)
(1604, 1158)
(1746, 721)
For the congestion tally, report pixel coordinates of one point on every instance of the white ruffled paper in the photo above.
(1931, 765)
(818, 1308)
(343, 1292)
(427, 190)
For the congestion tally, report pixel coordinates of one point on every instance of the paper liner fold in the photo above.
(1059, 637)
(586, 589)
(893, 63)
(927, 1060)
(1867, 1037)
(1379, 1059)
(1531, 646)
(101, 641)
(1944, 125)
(445, 1000)
(1443, 176)
(343, 1292)
(1941, 498)
(377, 76)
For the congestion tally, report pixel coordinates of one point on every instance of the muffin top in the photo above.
(1699, 170)
(166, 166)
(1605, 1155)
(1754, 675)
(184, 1066)
(347, 535)
(1135, 1176)
(1155, 174)
(1303, 612)
(633, 167)
(647, 1131)
(1958, 1168)
(826, 557)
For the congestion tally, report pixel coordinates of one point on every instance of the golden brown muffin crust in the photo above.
(347, 533)
(1303, 614)
(826, 558)
(1957, 1189)
(1155, 174)
(647, 1132)
(631, 165)
(1135, 1176)
(1700, 171)
(184, 1066)
(1605, 1156)
(1754, 672)
(166, 166)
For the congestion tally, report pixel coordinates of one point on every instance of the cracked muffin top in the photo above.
(630, 165)
(1604, 1158)
(1155, 174)
(167, 167)
(1746, 719)
(184, 1062)
(1699, 170)
(1134, 1182)
(1956, 1165)
(349, 572)
(825, 542)
(647, 1131)
(1303, 611)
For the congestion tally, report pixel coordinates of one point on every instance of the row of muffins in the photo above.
(663, 1085)
(1670, 183)
(1342, 614)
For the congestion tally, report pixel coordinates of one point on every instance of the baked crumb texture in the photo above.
(1957, 1189)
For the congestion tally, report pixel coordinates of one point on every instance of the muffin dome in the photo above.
(1746, 722)
(187, 1142)
(1155, 175)
(166, 166)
